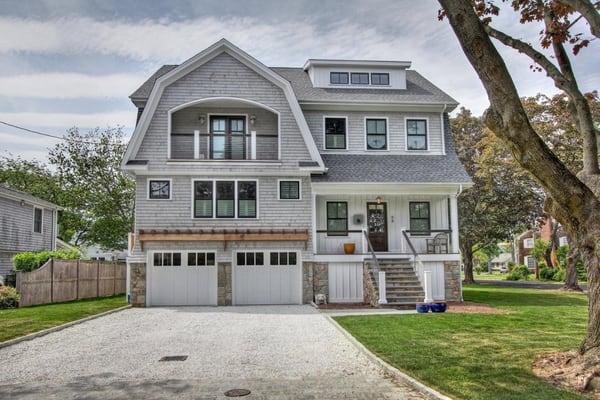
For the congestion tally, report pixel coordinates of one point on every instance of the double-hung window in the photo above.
(38, 214)
(289, 190)
(359, 78)
(380, 78)
(337, 218)
(376, 133)
(218, 199)
(420, 223)
(159, 189)
(416, 134)
(335, 133)
(338, 78)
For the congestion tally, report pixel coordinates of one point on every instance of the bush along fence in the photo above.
(66, 280)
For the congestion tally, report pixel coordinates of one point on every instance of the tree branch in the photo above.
(588, 11)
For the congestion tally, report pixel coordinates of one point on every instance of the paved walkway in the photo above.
(277, 352)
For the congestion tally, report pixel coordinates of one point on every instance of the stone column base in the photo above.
(224, 286)
(315, 280)
(452, 284)
(137, 280)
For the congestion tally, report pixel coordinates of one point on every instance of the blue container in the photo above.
(423, 308)
(438, 307)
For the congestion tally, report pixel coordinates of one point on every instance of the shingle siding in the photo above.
(221, 76)
(356, 133)
(16, 231)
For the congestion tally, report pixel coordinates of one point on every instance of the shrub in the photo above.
(9, 298)
(31, 260)
(511, 265)
(519, 272)
(560, 275)
(479, 269)
(547, 274)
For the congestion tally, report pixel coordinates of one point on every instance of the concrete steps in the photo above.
(403, 288)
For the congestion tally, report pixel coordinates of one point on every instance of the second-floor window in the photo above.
(289, 190)
(337, 218)
(416, 134)
(380, 78)
(218, 199)
(376, 133)
(338, 78)
(335, 133)
(359, 78)
(38, 214)
(227, 137)
(159, 189)
(419, 218)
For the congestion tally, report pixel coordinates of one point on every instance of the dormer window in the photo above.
(338, 78)
(360, 78)
(380, 79)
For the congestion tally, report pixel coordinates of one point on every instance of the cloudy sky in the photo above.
(67, 63)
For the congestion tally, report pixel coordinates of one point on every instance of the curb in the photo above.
(393, 371)
(57, 328)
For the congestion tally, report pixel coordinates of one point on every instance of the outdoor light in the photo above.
(252, 119)
(378, 199)
(202, 118)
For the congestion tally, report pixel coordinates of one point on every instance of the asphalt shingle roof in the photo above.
(143, 92)
(397, 168)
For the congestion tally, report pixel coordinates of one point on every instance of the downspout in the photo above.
(443, 129)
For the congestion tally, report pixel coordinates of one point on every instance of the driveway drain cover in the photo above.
(237, 392)
(174, 358)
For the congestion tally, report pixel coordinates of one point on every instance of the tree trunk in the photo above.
(571, 273)
(467, 253)
(591, 260)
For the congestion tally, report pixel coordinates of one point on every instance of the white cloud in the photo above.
(68, 85)
(62, 120)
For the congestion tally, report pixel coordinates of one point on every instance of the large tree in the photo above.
(570, 197)
(502, 200)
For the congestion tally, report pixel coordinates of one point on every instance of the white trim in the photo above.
(196, 144)
(443, 130)
(313, 62)
(224, 163)
(208, 127)
(222, 46)
(384, 188)
(345, 133)
(253, 145)
(427, 134)
(40, 204)
(235, 199)
(41, 232)
(289, 180)
(55, 228)
(149, 179)
(194, 170)
(387, 133)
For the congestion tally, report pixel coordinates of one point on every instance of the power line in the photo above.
(50, 135)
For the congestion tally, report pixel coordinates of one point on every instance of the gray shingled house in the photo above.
(27, 223)
(264, 185)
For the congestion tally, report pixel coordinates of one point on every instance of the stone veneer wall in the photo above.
(315, 280)
(137, 280)
(370, 292)
(224, 285)
(453, 288)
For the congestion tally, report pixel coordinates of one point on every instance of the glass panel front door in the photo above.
(228, 138)
(377, 225)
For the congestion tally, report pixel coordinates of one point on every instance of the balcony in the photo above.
(223, 129)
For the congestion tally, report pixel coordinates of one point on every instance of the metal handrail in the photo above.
(373, 256)
(412, 248)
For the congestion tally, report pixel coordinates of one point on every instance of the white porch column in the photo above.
(382, 288)
(454, 223)
(253, 145)
(196, 145)
(428, 286)
(315, 239)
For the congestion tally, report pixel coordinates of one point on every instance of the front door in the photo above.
(228, 138)
(377, 224)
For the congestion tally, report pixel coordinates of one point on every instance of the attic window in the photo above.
(360, 78)
(380, 79)
(338, 78)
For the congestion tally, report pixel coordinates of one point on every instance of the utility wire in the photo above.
(49, 135)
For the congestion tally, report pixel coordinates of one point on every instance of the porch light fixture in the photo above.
(378, 199)
(252, 119)
(202, 119)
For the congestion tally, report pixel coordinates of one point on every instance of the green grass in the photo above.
(480, 356)
(22, 321)
(501, 277)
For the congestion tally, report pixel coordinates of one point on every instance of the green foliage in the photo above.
(540, 247)
(9, 298)
(518, 273)
(547, 274)
(562, 254)
(511, 265)
(480, 270)
(560, 275)
(31, 260)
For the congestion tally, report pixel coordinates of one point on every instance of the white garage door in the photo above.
(182, 279)
(267, 277)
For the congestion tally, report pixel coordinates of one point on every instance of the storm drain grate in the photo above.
(174, 358)
(237, 393)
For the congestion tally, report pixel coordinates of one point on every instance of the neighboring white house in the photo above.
(264, 185)
(500, 262)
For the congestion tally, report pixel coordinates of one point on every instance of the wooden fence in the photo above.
(65, 280)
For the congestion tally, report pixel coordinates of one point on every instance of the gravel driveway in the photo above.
(277, 352)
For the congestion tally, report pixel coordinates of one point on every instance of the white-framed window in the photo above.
(530, 262)
(335, 132)
(38, 219)
(359, 78)
(376, 133)
(159, 189)
(338, 78)
(237, 198)
(380, 78)
(417, 131)
(528, 243)
(563, 241)
(289, 189)
(250, 258)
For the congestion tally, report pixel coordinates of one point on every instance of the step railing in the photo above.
(416, 262)
(377, 273)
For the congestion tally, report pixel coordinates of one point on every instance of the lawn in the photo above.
(480, 356)
(502, 277)
(21, 321)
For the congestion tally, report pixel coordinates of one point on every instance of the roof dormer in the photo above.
(357, 74)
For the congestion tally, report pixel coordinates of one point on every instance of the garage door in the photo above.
(267, 277)
(182, 279)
